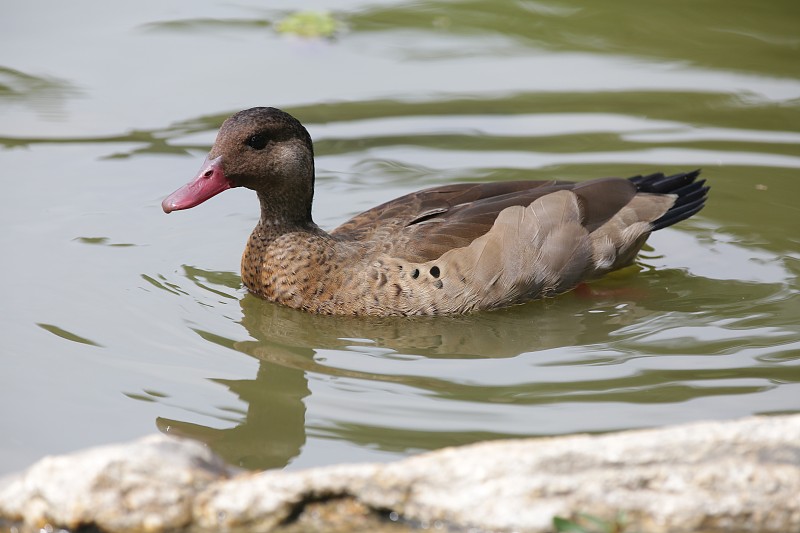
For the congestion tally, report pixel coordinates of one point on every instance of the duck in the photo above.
(450, 249)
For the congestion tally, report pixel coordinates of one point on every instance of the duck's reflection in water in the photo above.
(285, 341)
(272, 431)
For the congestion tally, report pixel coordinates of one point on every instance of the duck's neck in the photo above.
(281, 214)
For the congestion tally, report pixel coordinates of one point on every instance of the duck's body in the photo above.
(444, 250)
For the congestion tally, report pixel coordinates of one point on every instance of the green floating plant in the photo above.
(312, 24)
(586, 523)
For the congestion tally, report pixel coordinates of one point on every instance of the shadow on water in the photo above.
(45, 94)
(716, 34)
(679, 108)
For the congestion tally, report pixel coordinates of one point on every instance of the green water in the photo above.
(119, 321)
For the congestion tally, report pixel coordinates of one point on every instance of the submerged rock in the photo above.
(718, 476)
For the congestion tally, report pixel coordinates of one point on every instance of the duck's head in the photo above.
(262, 148)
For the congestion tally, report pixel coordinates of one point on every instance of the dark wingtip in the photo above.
(692, 194)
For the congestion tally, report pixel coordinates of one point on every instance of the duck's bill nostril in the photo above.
(206, 184)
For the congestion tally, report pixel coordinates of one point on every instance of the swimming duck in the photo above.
(443, 250)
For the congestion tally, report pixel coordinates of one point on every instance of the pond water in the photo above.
(119, 321)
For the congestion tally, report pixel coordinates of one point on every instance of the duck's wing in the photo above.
(424, 225)
(448, 216)
(420, 205)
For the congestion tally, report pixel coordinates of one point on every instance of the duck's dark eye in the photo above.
(257, 141)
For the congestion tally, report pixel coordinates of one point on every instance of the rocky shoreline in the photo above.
(741, 475)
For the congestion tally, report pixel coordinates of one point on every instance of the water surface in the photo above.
(119, 321)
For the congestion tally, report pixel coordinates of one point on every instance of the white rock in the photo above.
(147, 485)
(716, 476)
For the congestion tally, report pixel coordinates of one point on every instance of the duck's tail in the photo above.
(692, 194)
